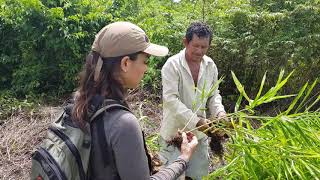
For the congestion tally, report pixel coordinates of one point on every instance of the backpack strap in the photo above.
(114, 105)
(104, 147)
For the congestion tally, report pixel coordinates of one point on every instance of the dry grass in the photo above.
(23, 131)
(19, 135)
(149, 105)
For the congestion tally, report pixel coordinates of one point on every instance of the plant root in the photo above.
(176, 141)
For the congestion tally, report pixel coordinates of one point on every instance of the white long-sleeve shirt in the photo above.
(183, 103)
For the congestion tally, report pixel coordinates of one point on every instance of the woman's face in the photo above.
(133, 70)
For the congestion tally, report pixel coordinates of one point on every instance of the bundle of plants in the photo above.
(217, 133)
(283, 146)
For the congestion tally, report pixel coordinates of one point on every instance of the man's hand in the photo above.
(221, 115)
(203, 125)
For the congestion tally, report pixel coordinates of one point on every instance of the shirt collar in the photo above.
(184, 60)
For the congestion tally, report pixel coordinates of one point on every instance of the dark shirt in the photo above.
(126, 154)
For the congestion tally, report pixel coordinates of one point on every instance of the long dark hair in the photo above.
(108, 84)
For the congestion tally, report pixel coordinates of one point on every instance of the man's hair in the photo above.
(202, 30)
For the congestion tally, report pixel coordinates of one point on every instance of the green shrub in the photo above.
(49, 43)
(44, 42)
(10, 105)
(253, 40)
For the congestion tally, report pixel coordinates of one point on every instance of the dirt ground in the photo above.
(19, 136)
(23, 131)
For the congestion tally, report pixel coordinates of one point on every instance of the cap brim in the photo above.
(156, 50)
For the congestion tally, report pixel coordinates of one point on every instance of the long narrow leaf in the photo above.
(260, 89)
(280, 76)
(273, 91)
(214, 87)
(314, 103)
(236, 108)
(240, 87)
(295, 170)
(306, 96)
(278, 97)
(296, 99)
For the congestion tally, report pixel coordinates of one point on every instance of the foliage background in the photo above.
(44, 42)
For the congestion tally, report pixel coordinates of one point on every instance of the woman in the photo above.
(117, 62)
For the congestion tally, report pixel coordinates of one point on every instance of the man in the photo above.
(186, 78)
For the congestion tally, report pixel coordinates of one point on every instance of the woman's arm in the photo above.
(130, 156)
(173, 171)
(128, 150)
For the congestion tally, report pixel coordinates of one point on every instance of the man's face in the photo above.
(196, 48)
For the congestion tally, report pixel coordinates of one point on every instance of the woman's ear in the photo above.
(125, 63)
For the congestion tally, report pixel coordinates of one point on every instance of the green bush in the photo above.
(253, 41)
(46, 43)
(10, 105)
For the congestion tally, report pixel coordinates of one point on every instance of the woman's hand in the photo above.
(189, 144)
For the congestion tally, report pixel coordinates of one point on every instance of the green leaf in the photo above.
(293, 103)
(236, 108)
(260, 89)
(240, 87)
(306, 96)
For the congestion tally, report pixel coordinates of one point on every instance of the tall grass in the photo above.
(285, 146)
